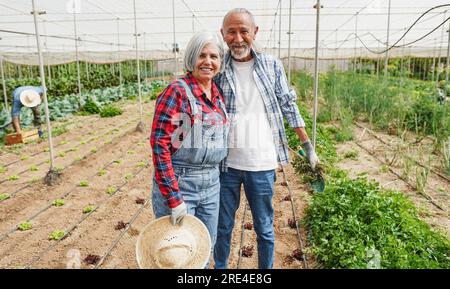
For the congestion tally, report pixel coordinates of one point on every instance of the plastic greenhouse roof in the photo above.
(107, 26)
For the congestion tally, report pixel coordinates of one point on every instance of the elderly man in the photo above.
(29, 96)
(257, 97)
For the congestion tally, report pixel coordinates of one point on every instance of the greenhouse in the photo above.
(355, 99)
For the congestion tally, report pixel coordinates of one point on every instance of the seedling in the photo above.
(298, 254)
(13, 178)
(77, 159)
(4, 197)
(34, 168)
(121, 225)
(140, 201)
(58, 203)
(63, 142)
(24, 226)
(119, 161)
(88, 209)
(2, 170)
(56, 235)
(353, 155)
(61, 154)
(83, 184)
(93, 150)
(128, 176)
(102, 172)
(131, 152)
(22, 158)
(140, 164)
(92, 259)
(247, 251)
(292, 224)
(111, 190)
(83, 142)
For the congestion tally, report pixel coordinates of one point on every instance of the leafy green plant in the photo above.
(110, 111)
(118, 161)
(93, 150)
(140, 164)
(23, 158)
(88, 209)
(61, 154)
(111, 190)
(3, 170)
(102, 172)
(56, 235)
(34, 168)
(83, 184)
(13, 178)
(24, 226)
(4, 197)
(353, 154)
(128, 176)
(58, 203)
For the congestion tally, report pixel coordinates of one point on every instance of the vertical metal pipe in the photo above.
(118, 52)
(289, 42)
(279, 33)
(76, 51)
(448, 56)
(46, 50)
(316, 75)
(137, 62)
(356, 36)
(4, 84)
(386, 58)
(42, 75)
(174, 40)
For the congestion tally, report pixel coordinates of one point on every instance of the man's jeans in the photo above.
(259, 188)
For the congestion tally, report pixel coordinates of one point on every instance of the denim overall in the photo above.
(196, 167)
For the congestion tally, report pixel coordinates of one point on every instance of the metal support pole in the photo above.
(118, 57)
(46, 50)
(4, 84)
(42, 75)
(140, 124)
(174, 40)
(279, 33)
(316, 75)
(76, 51)
(386, 58)
(448, 57)
(356, 35)
(289, 43)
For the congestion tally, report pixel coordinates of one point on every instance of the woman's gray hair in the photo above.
(195, 46)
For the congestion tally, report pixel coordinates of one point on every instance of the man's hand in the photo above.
(311, 155)
(178, 213)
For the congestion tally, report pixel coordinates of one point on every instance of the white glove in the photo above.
(178, 213)
(311, 155)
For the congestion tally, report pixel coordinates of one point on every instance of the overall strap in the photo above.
(190, 96)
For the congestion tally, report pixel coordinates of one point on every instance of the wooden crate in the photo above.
(24, 137)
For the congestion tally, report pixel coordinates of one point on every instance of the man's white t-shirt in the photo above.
(250, 142)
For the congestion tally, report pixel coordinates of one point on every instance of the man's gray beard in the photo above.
(241, 55)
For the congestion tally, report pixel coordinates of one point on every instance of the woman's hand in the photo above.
(178, 213)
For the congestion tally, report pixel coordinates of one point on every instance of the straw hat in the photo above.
(161, 245)
(30, 98)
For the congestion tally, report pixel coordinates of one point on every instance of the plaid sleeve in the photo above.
(168, 104)
(287, 98)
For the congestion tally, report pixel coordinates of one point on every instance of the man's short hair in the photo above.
(239, 11)
(195, 46)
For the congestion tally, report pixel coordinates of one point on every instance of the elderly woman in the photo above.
(189, 137)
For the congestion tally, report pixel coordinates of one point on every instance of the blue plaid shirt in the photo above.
(278, 98)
